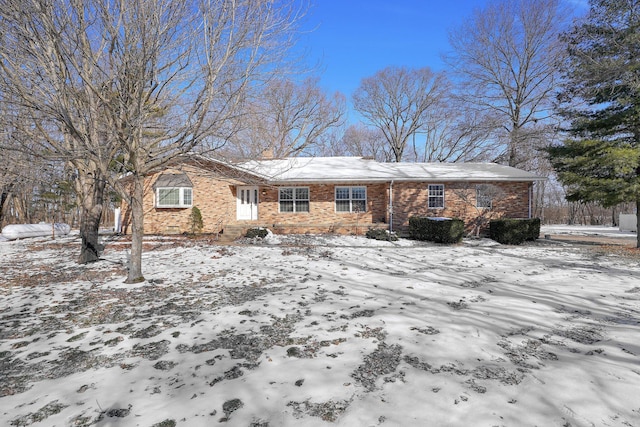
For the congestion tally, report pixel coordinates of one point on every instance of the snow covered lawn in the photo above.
(588, 230)
(319, 331)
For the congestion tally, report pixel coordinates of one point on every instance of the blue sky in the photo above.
(355, 38)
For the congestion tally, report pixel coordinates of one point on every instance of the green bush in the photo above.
(195, 220)
(419, 228)
(438, 230)
(256, 232)
(381, 234)
(514, 231)
(534, 229)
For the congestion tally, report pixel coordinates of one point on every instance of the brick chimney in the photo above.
(267, 154)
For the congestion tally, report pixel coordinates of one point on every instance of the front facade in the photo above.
(344, 195)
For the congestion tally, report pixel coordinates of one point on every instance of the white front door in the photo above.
(247, 202)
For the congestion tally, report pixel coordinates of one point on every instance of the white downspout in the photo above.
(391, 206)
(117, 221)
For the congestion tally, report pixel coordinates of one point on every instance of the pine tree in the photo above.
(600, 162)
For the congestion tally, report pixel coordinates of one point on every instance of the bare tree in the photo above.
(48, 57)
(16, 175)
(506, 58)
(188, 83)
(32, 189)
(395, 100)
(24, 177)
(361, 141)
(453, 132)
(12, 164)
(287, 119)
(142, 81)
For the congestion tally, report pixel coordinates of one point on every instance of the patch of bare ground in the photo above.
(154, 242)
(43, 275)
(597, 240)
(618, 250)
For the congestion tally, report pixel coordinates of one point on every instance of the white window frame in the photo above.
(430, 196)
(294, 200)
(350, 199)
(487, 196)
(181, 197)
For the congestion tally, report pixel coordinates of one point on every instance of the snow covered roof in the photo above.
(359, 169)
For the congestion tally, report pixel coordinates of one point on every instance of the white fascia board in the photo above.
(402, 179)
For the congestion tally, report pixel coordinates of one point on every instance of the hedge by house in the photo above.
(438, 230)
(514, 231)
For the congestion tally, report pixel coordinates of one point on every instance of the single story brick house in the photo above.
(330, 194)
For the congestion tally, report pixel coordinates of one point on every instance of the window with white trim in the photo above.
(293, 199)
(351, 199)
(436, 196)
(484, 196)
(174, 197)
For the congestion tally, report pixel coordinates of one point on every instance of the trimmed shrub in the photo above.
(438, 230)
(514, 231)
(380, 234)
(534, 229)
(256, 232)
(418, 228)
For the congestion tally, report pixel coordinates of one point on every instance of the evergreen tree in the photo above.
(195, 220)
(600, 162)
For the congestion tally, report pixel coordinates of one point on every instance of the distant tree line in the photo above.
(91, 90)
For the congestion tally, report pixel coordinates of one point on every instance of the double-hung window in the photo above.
(173, 191)
(174, 197)
(351, 199)
(436, 196)
(294, 199)
(484, 196)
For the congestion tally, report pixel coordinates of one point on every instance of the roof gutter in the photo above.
(308, 181)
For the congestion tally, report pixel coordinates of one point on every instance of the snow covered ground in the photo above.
(587, 230)
(319, 331)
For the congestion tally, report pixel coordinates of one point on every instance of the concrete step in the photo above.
(232, 232)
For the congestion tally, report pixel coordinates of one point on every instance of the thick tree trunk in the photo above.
(137, 232)
(398, 150)
(92, 205)
(4, 196)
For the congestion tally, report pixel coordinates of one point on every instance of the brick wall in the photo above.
(510, 200)
(215, 196)
(322, 216)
